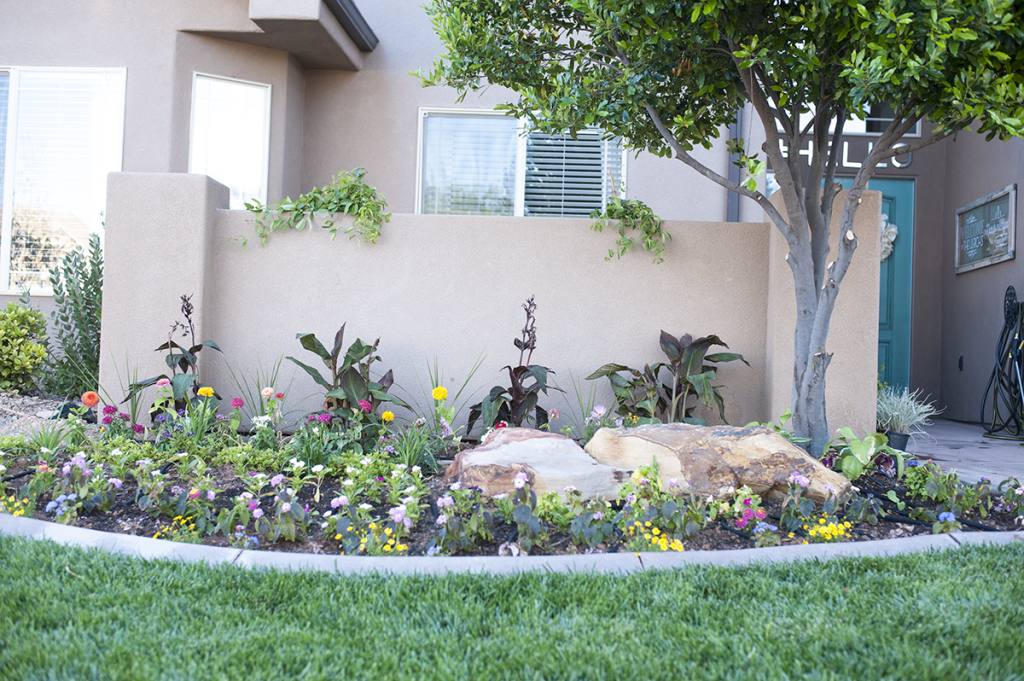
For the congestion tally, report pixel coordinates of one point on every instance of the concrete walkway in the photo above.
(962, 446)
(614, 563)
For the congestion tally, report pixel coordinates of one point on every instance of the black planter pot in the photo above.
(898, 440)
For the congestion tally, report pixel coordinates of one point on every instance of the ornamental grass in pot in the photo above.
(901, 413)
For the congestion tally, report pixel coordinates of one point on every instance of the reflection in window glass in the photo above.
(469, 165)
(67, 138)
(230, 136)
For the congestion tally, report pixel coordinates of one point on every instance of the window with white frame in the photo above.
(61, 133)
(230, 135)
(482, 163)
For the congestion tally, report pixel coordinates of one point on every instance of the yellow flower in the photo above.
(387, 531)
(440, 393)
(655, 531)
(205, 391)
(387, 547)
(388, 417)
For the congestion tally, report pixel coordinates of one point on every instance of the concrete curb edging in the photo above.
(610, 563)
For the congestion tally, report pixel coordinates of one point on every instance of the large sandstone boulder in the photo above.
(552, 462)
(715, 460)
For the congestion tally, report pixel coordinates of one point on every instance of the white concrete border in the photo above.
(611, 563)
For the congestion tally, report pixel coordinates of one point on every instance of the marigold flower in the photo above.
(387, 417)
(90, 398)
(205, 391)
(440, 393)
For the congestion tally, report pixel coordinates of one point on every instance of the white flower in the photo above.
(455, 486)
(323, 526)
(408, 500)
(115, 452)
(317, 468)
(366, 461)
(365, 506)
(351, 469)
(415, 469)
(395, 474)
(2, 468)
(410, 489)
(711, 498)
(348, 483)
(246, 495)
(569, 490)
(401, 466)
(499, 497)
(297, 464)
(327, 514)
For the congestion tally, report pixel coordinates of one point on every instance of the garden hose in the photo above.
(17, 475)
(1005, 383)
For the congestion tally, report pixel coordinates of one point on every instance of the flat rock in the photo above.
(552, 462)
(715, 460)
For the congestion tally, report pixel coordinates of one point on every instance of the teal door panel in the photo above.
(894, 291)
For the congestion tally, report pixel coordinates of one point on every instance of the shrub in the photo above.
(22, 332)
(78, 295)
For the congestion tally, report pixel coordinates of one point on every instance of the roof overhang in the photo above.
(320, 34)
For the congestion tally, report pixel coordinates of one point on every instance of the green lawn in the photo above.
(71, 614)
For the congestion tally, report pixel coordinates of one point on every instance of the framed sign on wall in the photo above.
(986, 230)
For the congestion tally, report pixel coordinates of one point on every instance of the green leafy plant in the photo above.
(854, 456)
(348, 382)
(643, 395)
(77, 283)
(517, 404)
(780, 428)
(632, 216)
(22, 349)
(179, 358)
(346, 194)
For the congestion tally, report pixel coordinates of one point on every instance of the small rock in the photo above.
(552, 461)
(715, 460)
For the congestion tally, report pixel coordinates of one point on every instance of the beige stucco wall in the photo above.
(973, 301)
(451, 288)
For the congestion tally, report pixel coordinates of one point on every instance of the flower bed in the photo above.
(364, 493)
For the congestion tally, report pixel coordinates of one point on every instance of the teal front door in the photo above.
(895, 285)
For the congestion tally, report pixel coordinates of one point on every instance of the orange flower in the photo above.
(90, 399)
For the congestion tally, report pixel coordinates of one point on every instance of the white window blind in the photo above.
(231, 135)
(469, 165)
(65, 133)
(569, 177)
(481, 164)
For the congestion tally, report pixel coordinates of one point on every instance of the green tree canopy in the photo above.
(666, 76)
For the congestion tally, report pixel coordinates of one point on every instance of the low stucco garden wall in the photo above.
(452, 288)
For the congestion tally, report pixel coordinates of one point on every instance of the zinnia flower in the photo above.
(90, 398)
(440, 393)
(163, 383)
(267, 392)
(387, 417)
(237, 402)
(279, 396)
(205, 391)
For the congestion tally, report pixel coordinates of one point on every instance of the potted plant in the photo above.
(901, 413)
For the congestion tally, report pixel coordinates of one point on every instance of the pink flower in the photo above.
(267, 392)
(193, 493)
(286, 507)
(211, 495)
(340, 501)
(253, 505)
(741, 523)
(598, 515)
(521, 480)
(277, 480)
(107, 420)
(138, 429)
(163, 383)
(747, 502)
(365, 406)
(442, 519)
(760, 513)
(237, 402)
(324, 418)
(748, 514)
(109, 409)
(258, 513)
(279, 396)
(554, 414)
(115, 482)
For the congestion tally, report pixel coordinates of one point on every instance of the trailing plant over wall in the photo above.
(346, 194)
(632, 216)
(77, 281)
